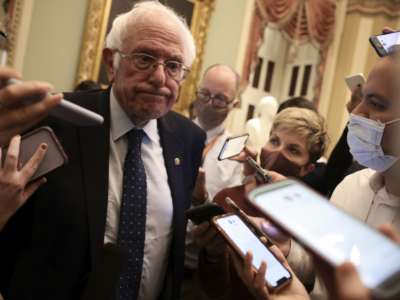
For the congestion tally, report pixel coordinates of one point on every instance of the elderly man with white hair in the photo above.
(128, 182)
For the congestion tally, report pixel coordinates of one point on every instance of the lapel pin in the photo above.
(177, 161)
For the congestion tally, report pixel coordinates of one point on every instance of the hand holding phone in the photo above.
(55, 155)
(233, 146)
(69, 111)
(332, 234)
(18, 164)
(243, 239)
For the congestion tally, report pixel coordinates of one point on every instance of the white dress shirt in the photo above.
(159, 199)
(220, 174)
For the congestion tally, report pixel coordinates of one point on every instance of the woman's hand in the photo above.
(255, 281)
(15, 187)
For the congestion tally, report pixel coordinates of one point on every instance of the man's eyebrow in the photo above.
(376, 96)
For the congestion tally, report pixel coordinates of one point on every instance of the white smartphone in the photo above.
(243, 239)
(233, 146)
(331, 233)
(71, 112)
(385, 43)
(55, 156)
(353, 81)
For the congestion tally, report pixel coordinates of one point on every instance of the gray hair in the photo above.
(140, 12)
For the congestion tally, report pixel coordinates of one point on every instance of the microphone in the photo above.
(102, 281)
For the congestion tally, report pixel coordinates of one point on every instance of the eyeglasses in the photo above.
(218, 100)
(146, 62)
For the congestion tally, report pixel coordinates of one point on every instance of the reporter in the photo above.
(15, 187)
(16, 115)
(297, 140)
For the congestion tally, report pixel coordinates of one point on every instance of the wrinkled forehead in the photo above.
(163, 37)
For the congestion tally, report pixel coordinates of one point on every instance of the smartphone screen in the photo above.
(233, 146)
(245, 240)
(329, 231)
(389, 40)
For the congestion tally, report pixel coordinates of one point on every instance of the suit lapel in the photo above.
(173, 152)
(94, 145)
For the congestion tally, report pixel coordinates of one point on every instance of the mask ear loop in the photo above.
(393, 121)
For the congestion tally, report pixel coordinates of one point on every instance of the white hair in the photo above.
(142, 12)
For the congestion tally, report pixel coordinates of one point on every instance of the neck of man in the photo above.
(392, 179)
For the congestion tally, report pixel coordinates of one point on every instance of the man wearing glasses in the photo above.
(128, 182)
(216, 96)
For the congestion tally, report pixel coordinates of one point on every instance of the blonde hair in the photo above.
(307, 124)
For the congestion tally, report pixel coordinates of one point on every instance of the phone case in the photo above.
(353, 80)
(376, 44)
(55, 156)
(221, 153)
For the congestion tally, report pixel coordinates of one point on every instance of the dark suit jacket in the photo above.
(50, 246)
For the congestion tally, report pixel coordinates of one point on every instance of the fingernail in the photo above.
(44, 180)
(270, 229)
(43, 146)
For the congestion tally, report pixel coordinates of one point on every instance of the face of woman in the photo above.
(286, 153)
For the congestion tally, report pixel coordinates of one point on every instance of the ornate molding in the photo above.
(200, 21)
(97, 15)
(12, 29)
(390, 8)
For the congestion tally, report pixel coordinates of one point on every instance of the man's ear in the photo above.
(108, 60)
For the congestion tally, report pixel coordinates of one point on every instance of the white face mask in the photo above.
(364, 139)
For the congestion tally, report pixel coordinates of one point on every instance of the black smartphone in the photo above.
(55, 156)
(261, 174)
(385, 43)
(233, 146)
(242, 239)
(204, 212)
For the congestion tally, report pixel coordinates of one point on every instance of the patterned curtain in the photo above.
(299, 20)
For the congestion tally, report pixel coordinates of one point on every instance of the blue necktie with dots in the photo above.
(132, 219)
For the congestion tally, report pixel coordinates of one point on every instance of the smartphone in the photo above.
(70, 112)
(384, 44)
(242, 238)
(204, 212)
(354, 80)
(54, 158)
(261, 174)
(233, 146)
(247, 220)
(331, 233)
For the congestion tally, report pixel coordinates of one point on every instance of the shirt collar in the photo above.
(377, 184)
(121, 124)
(212, 132)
